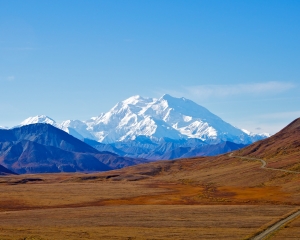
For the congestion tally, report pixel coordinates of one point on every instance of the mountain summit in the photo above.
(38, 119)
(155, 119)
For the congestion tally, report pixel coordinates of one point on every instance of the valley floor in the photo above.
(139, 222)
(204, 198)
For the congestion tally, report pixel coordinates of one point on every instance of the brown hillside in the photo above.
(285, 142)
(281, 150)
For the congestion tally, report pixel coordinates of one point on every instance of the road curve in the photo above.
(276, 226)
(264, 164)
(279, 224)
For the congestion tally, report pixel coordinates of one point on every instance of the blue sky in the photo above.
(76, 59)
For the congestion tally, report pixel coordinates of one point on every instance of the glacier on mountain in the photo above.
(155, 119)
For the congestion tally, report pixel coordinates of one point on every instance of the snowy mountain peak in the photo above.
(166, 117)
(38, 119)
(173, 100)
(135, 103)
(133, 100)
(154, 119)
(265, 135)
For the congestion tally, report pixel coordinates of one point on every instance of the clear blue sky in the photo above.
(76, 59)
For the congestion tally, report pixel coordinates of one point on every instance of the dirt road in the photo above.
(276, 226)
(264, 164)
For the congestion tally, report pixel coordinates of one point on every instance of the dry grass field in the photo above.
(203, 198)
(139, 222)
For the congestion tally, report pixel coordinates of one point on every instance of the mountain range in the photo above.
(165, 150)
(134, 130)
(42, 148)
(154, 120)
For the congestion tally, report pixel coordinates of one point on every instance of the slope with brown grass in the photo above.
(281, 150)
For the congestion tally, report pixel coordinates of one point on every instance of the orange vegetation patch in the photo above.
(185, 194)
(173, 194)
(267, 194)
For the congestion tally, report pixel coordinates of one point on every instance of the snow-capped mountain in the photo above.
(68, 126)
(38, 119)
(155, 119)
(76, 128)
(256, 136)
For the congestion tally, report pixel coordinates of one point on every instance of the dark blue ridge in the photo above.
(43, 148)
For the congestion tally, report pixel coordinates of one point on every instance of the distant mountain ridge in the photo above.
(167, 150)
(155, 120)
(42, 148)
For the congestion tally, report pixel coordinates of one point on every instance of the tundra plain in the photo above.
(201, 198)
